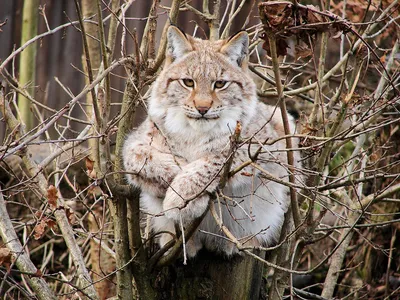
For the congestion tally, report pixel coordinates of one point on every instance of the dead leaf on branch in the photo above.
(52, 196)
(283, 19)
(41, 227)
(5, 257)
(38, 273)
(355, 9)
(247, 174)
(51, 223)
(302, 52)
(89, 164)
(90, 168)
(281, 46)
(70, 216)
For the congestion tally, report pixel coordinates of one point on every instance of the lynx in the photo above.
(178, 153)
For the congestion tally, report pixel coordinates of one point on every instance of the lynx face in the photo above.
(205, 86)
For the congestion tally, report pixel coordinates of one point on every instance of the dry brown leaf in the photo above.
(5, 257)
(39, 229)
(89, 164)
(283, 19)
(51, 223)
(52, 196)
(310, 17)
(93, 174)
(373, 157)
(247, 174)
(38, 273)
(281, 46)
(70, 215)
(279, 14)
(302, 51)
(90, 168)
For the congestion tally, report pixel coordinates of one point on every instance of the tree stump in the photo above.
(209, 276)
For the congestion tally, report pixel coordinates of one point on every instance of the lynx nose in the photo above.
(202, 109)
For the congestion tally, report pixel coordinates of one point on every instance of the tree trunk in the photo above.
(27, 64)
(209, 276)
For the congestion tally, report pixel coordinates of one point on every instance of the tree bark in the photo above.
(27, 64)
(22, 260)
(209, 276)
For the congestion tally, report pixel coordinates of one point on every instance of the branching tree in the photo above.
(70, 225)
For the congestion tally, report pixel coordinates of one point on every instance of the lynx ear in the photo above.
(237, 48)
(177, 43)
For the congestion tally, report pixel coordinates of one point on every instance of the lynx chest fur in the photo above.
(177, 155)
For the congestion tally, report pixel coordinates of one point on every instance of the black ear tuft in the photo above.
(237, 48)
(177, 43)
(235, 34)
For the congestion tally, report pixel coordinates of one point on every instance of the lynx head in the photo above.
(204, 86)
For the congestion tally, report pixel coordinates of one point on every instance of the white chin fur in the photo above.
(204, 125)
(177, 122)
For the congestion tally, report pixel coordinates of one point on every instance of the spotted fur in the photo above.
(177, 154)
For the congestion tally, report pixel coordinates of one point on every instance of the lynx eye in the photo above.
(188, 82)
(219, 84)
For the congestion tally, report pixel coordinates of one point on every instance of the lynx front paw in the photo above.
(176, 207)
(172, 205)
